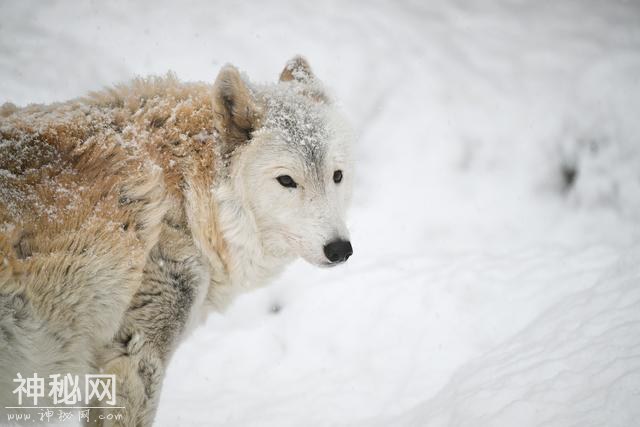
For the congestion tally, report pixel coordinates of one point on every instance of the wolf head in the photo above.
(288, 168)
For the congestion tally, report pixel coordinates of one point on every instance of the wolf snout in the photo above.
(338, 251)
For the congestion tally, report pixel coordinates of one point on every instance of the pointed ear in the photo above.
(236, 113)
(297, 69)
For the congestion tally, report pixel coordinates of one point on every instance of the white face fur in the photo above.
(296, 178)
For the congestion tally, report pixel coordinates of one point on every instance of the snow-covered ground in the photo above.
(496, 217)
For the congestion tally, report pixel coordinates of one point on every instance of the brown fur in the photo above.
(85, 187)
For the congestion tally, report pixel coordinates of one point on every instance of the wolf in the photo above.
(128, 215)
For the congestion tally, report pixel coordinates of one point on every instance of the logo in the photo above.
(66, 392)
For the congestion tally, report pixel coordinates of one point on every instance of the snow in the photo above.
(496, 209)
(577, 363)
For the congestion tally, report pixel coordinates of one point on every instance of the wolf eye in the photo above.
(337, 176)
(286, 181)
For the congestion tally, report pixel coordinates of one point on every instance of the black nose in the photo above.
(338, 250)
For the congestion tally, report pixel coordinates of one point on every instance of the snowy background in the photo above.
(496, 217)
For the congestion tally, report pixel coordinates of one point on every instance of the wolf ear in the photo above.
(236, 113)
(298, 69)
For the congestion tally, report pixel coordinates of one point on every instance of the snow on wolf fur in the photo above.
(127, 215)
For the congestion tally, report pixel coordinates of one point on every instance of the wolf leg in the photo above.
(138, 383)
(173, 287)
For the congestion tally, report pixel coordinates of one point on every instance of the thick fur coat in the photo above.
(127, 215)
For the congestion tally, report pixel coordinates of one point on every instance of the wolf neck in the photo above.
(247, 263)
